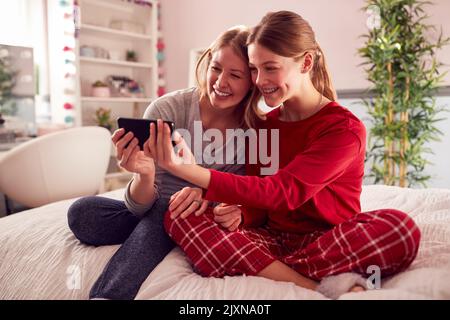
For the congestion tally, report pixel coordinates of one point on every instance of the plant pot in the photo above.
(101, 92)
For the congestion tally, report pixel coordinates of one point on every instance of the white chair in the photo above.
(57, 166)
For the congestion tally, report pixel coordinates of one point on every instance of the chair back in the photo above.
(56, 166)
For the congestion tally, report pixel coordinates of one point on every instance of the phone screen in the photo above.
(141, 128)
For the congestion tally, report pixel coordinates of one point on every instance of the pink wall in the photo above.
(190, 24)
(439, 16)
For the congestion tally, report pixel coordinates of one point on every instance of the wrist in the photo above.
(180, 170)
(145, 177)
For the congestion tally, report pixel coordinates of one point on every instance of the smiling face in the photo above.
(278, 78)
(228, 79)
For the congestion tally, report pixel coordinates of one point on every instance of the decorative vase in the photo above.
(101, 92)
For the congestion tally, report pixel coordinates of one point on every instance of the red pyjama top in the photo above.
(319, 181)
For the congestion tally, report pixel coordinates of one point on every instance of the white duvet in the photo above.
(41, 259)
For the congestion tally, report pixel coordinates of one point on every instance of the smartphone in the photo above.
(141, 128)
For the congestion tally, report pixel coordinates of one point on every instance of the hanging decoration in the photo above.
(76, 18)
(160, 56)
(70, 15)
(69, 11)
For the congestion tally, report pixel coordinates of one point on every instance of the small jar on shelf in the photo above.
(100, 89)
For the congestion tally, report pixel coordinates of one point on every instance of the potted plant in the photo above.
(103, 118)
(131, 56)
(402, 67)
(100, 89)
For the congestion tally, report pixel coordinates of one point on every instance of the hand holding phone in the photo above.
(141, 128)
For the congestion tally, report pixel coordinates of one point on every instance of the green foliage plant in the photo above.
(400, 60)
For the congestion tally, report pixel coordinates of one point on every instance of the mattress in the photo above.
(40, 258)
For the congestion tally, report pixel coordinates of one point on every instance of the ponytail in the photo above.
(321, 77)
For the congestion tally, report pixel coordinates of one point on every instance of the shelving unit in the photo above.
(115, 99)
(113, 27)
(88, 28)
(116, 62)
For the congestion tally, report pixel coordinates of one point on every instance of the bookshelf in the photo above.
(107, 30)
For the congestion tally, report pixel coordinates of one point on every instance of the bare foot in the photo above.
(357, 289)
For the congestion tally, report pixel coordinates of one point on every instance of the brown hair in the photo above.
(289, 35)
(235, 38)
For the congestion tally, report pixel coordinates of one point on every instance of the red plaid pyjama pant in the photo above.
(385, 238)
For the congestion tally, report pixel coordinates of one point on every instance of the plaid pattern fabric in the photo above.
(386, 238)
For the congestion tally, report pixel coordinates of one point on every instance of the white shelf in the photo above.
(115, 99)
(119, 6)
(96, 29)
(116, 63)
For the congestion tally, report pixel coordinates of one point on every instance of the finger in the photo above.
(183, 205)
(147, 144)
(126, 158)
(202, 208)
(146, 148)
(216, 208)
(235, 225)
(221, 219)
(129, 149)
(182, 195)
(186, 204)
(228, 223)
(167, 142)
(120, 145)
(117, 135)
(227, 217)
(184, 152)
(225, 210)
(134, 154)
(124, 162)
(192, 207)
(159, 141)
(177, 138)
(174, 196)
(152, 141)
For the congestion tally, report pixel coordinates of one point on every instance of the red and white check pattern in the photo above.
(386, 238)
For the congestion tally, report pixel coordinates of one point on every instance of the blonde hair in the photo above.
(235, 38)
(289, 35)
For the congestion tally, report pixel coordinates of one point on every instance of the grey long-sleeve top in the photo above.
(182, 107)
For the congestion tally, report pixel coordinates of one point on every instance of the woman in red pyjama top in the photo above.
(302, 224)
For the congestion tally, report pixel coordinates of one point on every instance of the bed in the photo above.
(41, 259)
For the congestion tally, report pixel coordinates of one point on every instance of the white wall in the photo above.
(15, 28)
(22, 23)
